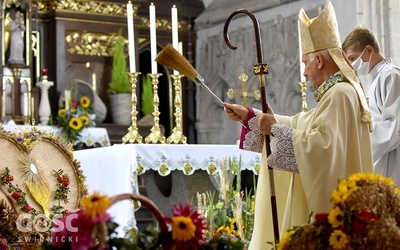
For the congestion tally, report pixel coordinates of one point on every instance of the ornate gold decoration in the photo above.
(188, 169)
(89, 7)
(212, 168)
(162, 24)
(303, 89)
(243, 94)
(133, 133)
(260, 69)
(155, 136)
(177, 135)
(91, 44)
(140, 168)
(163, 169)
(9, 3)
(36, 184)
(257, 168)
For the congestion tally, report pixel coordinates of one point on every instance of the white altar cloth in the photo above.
(113, 170)
(88, 136)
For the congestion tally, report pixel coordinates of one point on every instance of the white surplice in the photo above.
(384, 103)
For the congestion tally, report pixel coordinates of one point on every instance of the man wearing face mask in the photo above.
(362, 49)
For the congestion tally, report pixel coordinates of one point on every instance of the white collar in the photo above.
(377, 68)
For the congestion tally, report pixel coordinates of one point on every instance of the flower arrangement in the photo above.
(231, 218)
(365, 215)
(95, 230)
(74, 120)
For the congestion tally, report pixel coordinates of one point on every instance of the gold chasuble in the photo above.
(330, 142)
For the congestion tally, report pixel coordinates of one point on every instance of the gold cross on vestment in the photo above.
(243, 94)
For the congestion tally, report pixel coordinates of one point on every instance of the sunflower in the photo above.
(223, 228)
(62, 112)
(85, 120)
(95, 205)
(84, 101)
(75, 123)
(187, 227)
(338, 239)
(342, 192)
(336, 217)
(285, 239)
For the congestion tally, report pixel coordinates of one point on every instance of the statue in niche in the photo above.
(16, 48)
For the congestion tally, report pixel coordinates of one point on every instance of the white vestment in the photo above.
(384, 103)
(330, 142)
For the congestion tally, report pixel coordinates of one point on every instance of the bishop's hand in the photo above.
(265, 121)
(235, 112)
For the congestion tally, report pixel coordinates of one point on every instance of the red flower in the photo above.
(188, 225)
(3, 244)
(365, 216)
(358, 227)
(65, 181)
(9, 178)
(60, 179)
(321, 219)
(361, 220)
(16, 195)
(27, 208)
(74, 104)
(80, 238)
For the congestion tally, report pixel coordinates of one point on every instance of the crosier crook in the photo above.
(260, 69)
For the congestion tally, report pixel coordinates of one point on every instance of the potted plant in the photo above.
(147, 102)
(120, 88)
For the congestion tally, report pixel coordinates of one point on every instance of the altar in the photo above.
(89, 136)
(115, 170)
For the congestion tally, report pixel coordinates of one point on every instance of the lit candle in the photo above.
(174, 15)
(302, 77)
(131, 38)
(153, 40)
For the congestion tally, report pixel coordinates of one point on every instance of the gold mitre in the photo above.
(321, 33)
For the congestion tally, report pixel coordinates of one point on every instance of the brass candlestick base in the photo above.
(133, 134)
(177, 133)
(303, 89)
(155, 136)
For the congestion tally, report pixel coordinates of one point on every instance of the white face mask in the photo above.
(361, 66)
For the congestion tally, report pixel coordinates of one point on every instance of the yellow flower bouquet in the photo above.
(74, 120)
(365, 215)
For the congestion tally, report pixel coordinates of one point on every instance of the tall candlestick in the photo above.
(302, 77)
(153, 39)
(131, 38)
(174, 17)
